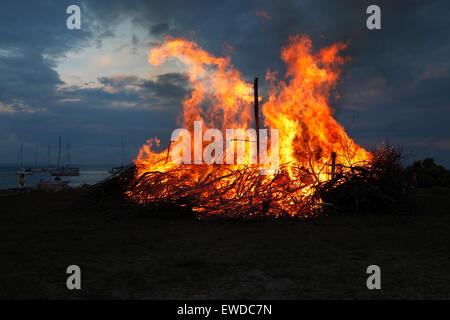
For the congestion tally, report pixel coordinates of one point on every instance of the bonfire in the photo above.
(314, 148)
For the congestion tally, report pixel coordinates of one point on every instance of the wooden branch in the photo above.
(255, 89)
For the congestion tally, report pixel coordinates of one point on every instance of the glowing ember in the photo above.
(221, 98)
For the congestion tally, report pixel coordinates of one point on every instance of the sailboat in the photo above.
(65, 170)
(116, 170)
(51, 185)
(20, 169)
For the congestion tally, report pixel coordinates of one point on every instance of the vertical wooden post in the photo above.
(255, 89)
(168, 150)
(333, 164)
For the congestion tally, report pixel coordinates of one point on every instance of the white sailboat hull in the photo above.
(24, 172)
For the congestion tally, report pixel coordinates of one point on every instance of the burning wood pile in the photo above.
(314, 154)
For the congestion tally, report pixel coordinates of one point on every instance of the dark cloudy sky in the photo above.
(95, 84)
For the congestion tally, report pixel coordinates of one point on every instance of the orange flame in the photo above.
(300, 108)
(297, 106)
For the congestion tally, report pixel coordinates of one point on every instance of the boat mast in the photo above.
(20, 157)
(59, 153)
(48, 157)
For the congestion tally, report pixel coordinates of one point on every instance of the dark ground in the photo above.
(181, 258)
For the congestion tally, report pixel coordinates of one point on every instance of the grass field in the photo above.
(137, 256)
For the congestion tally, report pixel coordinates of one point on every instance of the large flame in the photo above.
(298, 106)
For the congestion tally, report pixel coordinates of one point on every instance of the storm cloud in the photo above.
(395, 87)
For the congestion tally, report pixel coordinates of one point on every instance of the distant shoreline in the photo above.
(31, 165)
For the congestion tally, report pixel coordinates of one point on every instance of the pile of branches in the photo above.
(376, 186)
(225, 192)
(245, 193)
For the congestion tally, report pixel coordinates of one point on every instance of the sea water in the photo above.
(88, 175)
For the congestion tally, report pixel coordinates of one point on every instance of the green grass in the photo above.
(180, 258)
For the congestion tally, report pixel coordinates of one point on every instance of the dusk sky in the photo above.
(96, 85)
